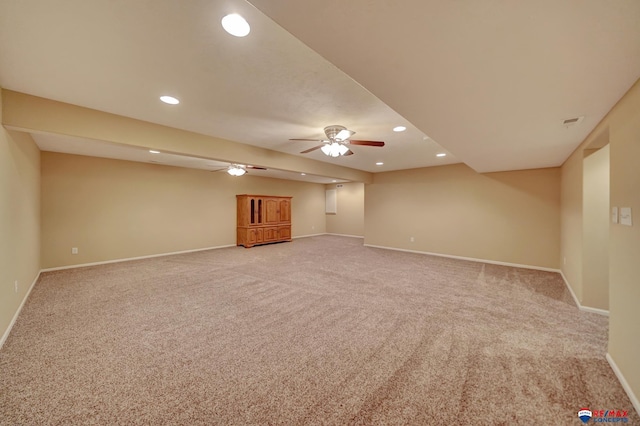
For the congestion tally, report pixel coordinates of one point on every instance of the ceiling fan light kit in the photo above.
(236, 170)
(241, 169)
(334, 149)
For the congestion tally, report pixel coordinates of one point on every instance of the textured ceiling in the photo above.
(120, 56)
(490, 81)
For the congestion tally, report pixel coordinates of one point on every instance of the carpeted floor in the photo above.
(317, 331)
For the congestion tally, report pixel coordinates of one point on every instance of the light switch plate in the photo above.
(625, 216)
(614, 215)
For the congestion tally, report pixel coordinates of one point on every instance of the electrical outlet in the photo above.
(412, 239)
(564, 261)
(313, 227)
(15, 284)
(74, 250)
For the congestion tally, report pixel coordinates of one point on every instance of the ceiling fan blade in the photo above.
(348, 153)
(256, 168)
(312, 149)
(367, 143)
(312, 140)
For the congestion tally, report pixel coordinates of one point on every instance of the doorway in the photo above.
(595, 227)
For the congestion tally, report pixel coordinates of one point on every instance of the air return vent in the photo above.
(572, 121)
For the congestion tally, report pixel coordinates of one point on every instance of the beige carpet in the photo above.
(317, 331)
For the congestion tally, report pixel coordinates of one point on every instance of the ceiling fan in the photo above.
(338, 139)
(239, 169)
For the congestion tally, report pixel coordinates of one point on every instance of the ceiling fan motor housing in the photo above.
(333, 131)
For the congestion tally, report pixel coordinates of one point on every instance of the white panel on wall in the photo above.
(625, 216)
(331, 204)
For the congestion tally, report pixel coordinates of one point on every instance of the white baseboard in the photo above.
(327, 233)
(471, 259)
(15, 316)
(104, 262)
(307, 235)
(128, 259)
(598, 311)
(566, 282)
(515, 265)
(578, 304)
(625, 385)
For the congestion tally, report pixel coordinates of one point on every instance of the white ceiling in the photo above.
(490, 80)
(120, 56)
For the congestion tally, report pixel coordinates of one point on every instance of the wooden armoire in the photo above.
(263, 219)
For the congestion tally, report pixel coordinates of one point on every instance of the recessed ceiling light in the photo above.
(303, 174)
(169, 100)
(399, 129)
(154, 151)
(235, 25)
(379, 163)
(442, 154)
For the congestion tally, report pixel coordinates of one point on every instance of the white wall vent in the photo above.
(572, 121)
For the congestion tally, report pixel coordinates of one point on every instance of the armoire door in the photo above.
(285, 211)
(271, 214)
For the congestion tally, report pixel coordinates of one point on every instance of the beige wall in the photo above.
(624, 241)
(112, 209)
(508, 217)
(622, 127)
(350, 217)
(571, 223)
(19, 221)
(595, 229)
